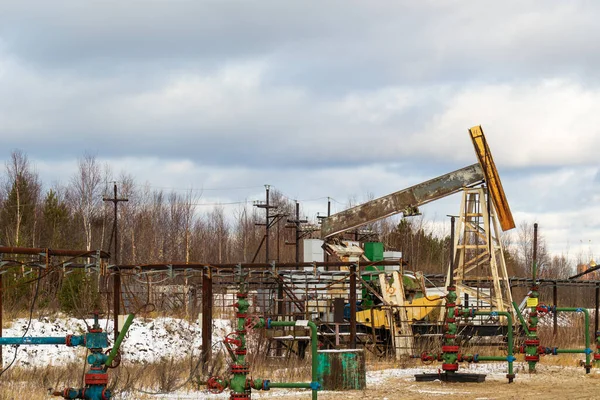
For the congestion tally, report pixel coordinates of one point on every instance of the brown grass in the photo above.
(143, 380)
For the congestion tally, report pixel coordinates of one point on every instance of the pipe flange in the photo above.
(450, 349)
(450, 367)
(532, 342)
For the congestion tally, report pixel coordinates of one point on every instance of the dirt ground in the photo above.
(550, 382)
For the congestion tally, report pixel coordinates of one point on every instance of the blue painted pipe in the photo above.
(28, 340)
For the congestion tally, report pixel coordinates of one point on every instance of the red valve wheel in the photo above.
(251, 322)
(230, 340)
(214, 385)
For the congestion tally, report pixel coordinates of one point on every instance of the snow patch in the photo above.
(147, 341)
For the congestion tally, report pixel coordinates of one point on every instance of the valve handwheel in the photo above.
(116, 361)
(426, 359)
(214, 385)
(231, 340)
(251, 322)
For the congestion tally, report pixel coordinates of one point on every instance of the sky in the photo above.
(341, 99)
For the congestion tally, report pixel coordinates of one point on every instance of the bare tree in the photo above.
(85, 194)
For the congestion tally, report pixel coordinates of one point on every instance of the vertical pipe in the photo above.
(596, 333)
(510, 341)
(2, 306)
(313, 349)
(353, 306)
(280, 311)
(587, 350)
(554, 301)
(278, 242)
(533, 341)
(117, 280)
(267, 225)
(207, 300)
(297, 232)
(117, 276)
(449, 347)
(328, 215)
(451, 278)
(116, 228)
(597, 303)
(116, 300)
(535, 245)
(280, 308)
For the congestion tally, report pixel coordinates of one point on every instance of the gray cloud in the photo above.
(332, 46)
(340, 98)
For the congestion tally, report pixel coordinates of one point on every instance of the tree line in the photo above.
(169, 226)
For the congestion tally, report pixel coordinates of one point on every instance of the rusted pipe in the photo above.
(52, 252)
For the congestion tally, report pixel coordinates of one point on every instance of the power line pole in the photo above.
(320, 218)
(117, 277)
(297, 221)
(268, 218)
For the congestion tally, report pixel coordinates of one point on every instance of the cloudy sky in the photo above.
(317, 99)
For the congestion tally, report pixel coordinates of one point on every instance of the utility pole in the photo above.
(267, 223)
(328, 215)
(320, 218)
(117, 277)
(297, 221)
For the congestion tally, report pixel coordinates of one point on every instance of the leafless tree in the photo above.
(85, 194)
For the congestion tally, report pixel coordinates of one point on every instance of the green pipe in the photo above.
(533, 341)
(492, 358)
(313, 347)
(509, 336)
(115, 349)
(449, 348)
(587, 349)
(520, 316)
(570, 351)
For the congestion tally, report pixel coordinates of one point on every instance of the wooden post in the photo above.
(595, 310)
(280, 312)
(353, 306)
(207, 305)
(555, 300)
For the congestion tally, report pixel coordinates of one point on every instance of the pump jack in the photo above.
(477, 247)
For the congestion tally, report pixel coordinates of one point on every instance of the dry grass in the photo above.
(143, 380)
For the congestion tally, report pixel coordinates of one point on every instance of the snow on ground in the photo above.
(148, 340)
(564, 319)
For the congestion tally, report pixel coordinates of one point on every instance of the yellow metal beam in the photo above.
(492, 178)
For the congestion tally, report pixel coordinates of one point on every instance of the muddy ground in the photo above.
(550, 382)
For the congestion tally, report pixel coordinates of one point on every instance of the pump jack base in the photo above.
(452, 377)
